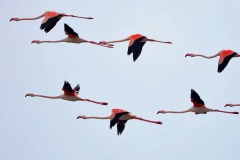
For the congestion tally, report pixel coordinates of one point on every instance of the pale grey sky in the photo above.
(43, 129)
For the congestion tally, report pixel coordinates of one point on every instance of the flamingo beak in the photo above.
(159, 112)
(235, 113)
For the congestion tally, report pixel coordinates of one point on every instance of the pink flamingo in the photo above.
(50, 19)
(225, 57)
(136, 43)
(198, 106)
(72, 38)
(69, 94)
(119, 117)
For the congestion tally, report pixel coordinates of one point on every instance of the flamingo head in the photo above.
(14, 19)
(228, 105)
(82, 117)
(162, 111)
(36, 41)
(189, 54)
(30, 95)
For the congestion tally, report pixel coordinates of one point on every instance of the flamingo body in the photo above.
(120, 117)
(200, 110)
(135, 45)
(50, 19)
(70, 94)
(225, 57)
(198, 106)
(69, 97)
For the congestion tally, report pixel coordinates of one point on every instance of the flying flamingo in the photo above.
(225, 57)
(120, 117)
(198, 106)
(72, 38)
(50, 19)
(69, 94)
(136, 43)
(231, 105)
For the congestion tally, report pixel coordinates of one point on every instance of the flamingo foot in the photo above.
(104, 103)
(160, 123)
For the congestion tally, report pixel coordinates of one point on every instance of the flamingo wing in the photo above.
(225, 57)
(77, 88)
(196, 100)
(121, 126)
(115, 119)
(50, 20)
(135, 47)
(69, 31)
(68, 89)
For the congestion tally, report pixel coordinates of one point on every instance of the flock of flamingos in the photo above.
(136, 43)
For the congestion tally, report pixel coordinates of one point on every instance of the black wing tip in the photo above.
(119, 133)
(77, 88)
(219, 70)
(66, 82)
(193, 92)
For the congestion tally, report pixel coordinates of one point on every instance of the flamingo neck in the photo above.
(98, 117)
(177, 111)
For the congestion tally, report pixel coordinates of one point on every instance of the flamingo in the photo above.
(69, 94)
(231, 105)
(50, 19)
(120, 117)
(72, 38)
(225, 57)
(136, 43)
(198, 106)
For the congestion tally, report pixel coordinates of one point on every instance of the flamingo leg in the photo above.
(102, 103)
(78, 16)
(226, 112)
(163, 42)
(145, 120)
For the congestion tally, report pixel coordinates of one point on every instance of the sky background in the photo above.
(161, 78)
